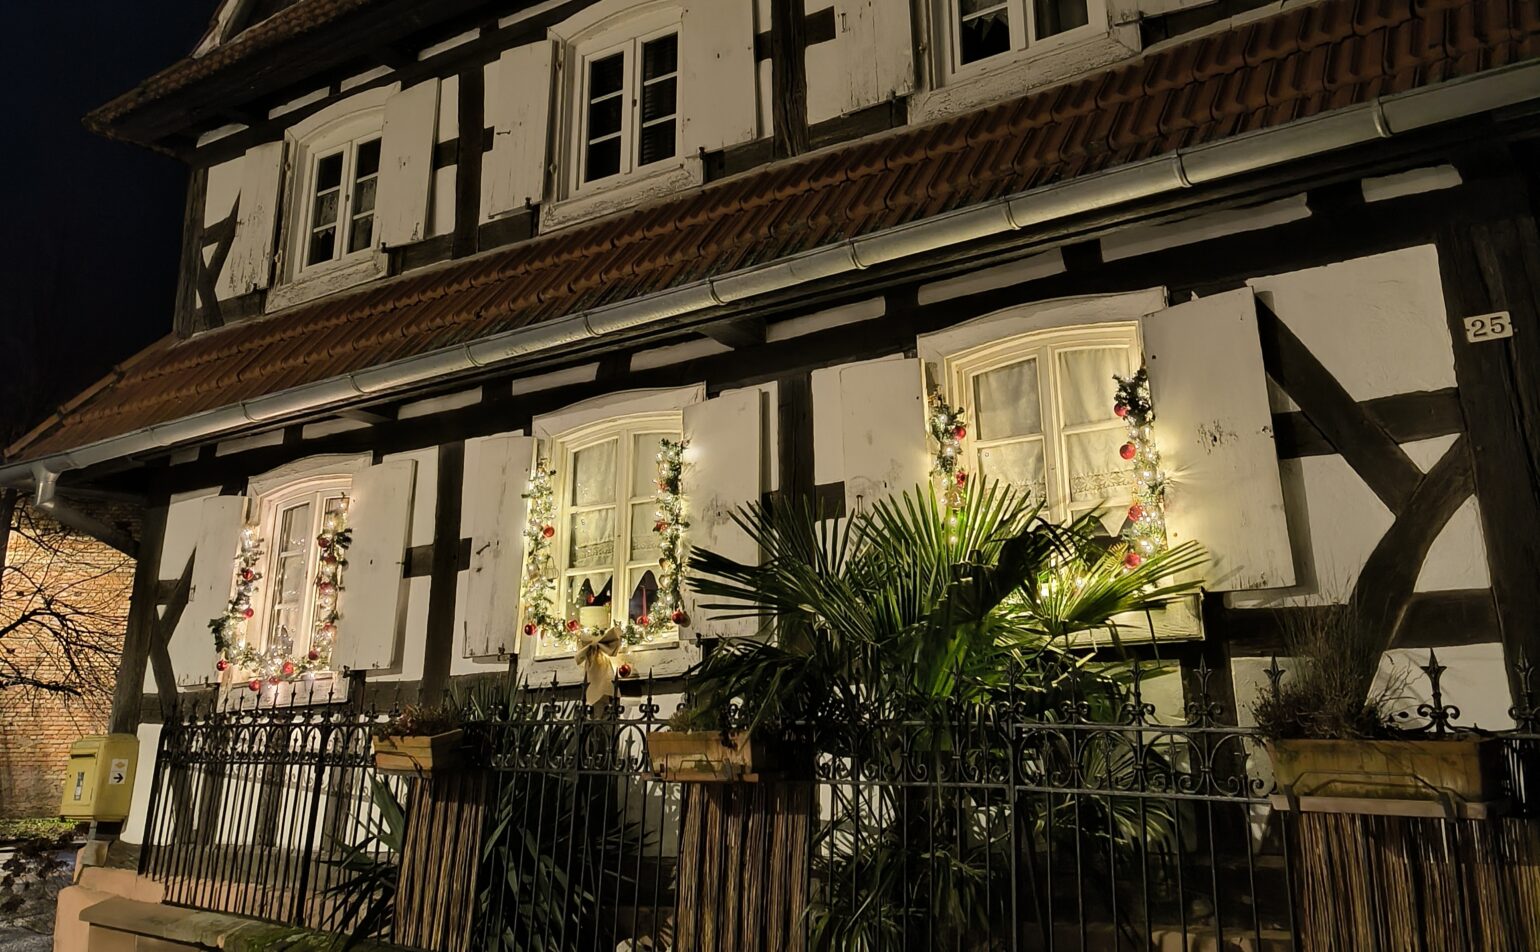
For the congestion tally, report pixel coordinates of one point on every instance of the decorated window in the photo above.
(281, 623)
(342, 190)
(986, 31)
(605, 534)
(1042, 416)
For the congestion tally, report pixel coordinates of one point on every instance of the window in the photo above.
(289, 605)
(343, 186)
(630, 107)
(1041, 418)
(605, 549)
(981, 30)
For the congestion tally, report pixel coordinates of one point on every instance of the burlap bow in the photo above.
(596, 655)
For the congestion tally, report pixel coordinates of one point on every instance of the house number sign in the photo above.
(1485, 327)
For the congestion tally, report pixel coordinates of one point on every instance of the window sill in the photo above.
(660, 659)
(621, 194)
(328, 687)
(1023, 71)
(321, 280)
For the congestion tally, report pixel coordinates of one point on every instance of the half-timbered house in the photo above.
(429, 246)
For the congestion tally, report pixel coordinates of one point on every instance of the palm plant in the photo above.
(369, 870)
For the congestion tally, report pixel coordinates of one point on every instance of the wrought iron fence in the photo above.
(263, 810)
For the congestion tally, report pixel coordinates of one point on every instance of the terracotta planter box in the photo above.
(418, 755)
(714, 757)
(1452, 771)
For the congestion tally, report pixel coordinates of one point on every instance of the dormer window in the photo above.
(343, 188)
(985, 31)
(630, 106)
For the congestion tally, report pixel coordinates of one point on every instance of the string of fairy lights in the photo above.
(272, 663)
(541, 620)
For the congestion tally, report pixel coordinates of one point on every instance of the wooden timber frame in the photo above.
(1483, 229)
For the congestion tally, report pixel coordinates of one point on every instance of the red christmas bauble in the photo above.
(329, 558)
(529, 629)
(960, 432)
(660, 527)
(256, 684)
(572, 625)
(221, 664)
(1134, 512)
(643, 620)
(313, 655)
(548, 531)
(324, 541)
(1120, 410)
(681, 617)
(1133, 560)
(1127, 450)
(326, 588)
(329, 630)
(624, 670)
(962, 478)
(248, 612)
(247, 575)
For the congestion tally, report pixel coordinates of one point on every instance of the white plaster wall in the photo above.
(183, 523)
(224, 186)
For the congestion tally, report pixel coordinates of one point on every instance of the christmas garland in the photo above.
(948, 429)
(272, 664)
(540, 618)
(1145, 530)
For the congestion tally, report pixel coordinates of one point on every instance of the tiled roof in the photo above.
(1314, 58)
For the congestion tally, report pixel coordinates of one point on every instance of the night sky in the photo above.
(93, 228)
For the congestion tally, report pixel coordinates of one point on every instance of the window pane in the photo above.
(1096, 472)
(604, 117)
(660, 99)
(1057, 16)
(592, 538)
(593, 474)
(657, 143)
(362, 234)
(368, 159)
(588, 588)
(644, 473)
(984, 29)
(290, 584)
(322, 244)
(1086, 387)
(1017, 464)
(644, 595)
(328, 172)
(606, 75)
(1006, 402)
(325, 209)
(644, 542)
(603, 160)
(363, 196)
(660, 57)
(296, 528)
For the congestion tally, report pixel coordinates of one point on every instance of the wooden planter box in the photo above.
(717, 757)
(418, 755)
(1359, 774)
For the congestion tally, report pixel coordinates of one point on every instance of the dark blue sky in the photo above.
(92, 232)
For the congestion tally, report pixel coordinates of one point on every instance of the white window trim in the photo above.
(270, 508)
(601, 29)
(342, 125)
(1023, 24)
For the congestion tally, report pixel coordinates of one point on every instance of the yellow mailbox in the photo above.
(100, 782)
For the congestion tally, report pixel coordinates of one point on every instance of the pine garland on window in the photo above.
(539, 591)
(947, 430)
(1145, 530)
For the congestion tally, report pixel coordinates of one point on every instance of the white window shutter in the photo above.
(497, 472)
(1214, 429)
(406, 163)
(219, 539)
(876, 48)
(374, 586)
(249, 265)
(723, 472)
(716, 56)
(518, 89)
(882, 411)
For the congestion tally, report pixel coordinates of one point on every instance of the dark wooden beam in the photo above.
(1495, 266)
(472, 109)
(1407, 417)
(439, 640)
(141, 628)
(419, 559)
(160, 644)
(1432, 620)
(186, 307)
(745, 331)
(788, 77)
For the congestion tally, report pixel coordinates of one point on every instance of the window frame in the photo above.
(347, 188)
(1022, 21)
(564, 446)
(270, 506)
(590, 37)
(960, 370)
